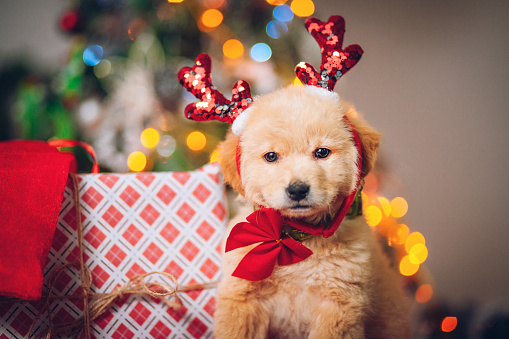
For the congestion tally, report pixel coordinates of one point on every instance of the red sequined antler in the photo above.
(213, 105)
(335, 61)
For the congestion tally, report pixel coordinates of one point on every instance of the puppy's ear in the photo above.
(369, 138)
(227, 152)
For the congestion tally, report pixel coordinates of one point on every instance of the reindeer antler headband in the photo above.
(214, 106)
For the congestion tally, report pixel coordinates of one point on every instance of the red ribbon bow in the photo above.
(264, 226)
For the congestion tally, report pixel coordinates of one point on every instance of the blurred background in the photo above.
(433, 80)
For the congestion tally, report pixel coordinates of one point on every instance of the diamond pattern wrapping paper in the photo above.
(133, 224)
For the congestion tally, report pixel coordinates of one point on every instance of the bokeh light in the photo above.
(276, 2)
(102, 69)
(149, 138)
(92, 55)
(175, 1)
(261, 52)
(373, 215)
(136, 161)
(276, 29)
(399, 207)
(166, 146)
(297, 82)
(233, 49)
(406, 267)
(386, 205)
(449, 324)
(212, 18)
(283, 13)
(196, 141)
(424, 293)
(418, 253)
(414, 239)
(303, 7)
(214, 157)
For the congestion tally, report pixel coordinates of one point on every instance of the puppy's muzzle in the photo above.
(297, 191)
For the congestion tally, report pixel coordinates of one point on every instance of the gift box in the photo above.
(133, 224)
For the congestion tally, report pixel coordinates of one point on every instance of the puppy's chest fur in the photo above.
(338, 271)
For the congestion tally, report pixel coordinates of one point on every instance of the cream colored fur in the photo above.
(346, 289)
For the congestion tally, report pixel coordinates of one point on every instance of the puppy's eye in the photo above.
(321, 153)
(270, 156)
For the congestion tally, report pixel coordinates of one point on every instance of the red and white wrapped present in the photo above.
(132, 224)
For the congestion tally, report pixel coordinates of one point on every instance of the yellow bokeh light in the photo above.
(136, 161)
(398, 234)
(386, 205)
(214, 157)
(424, 293)
(297, 82)
(233, 49)
(302, 7)
(418, 253)
(149, 138)
(175, 1)
(212, 18)
(276, 2)
(373, 215)
(196, 141)
(406, 267)
(449, 324)
(399, 207)
(414, 239)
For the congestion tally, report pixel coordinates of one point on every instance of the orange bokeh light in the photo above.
(406, 267)
(276, 2)
(449, 324)
(423, 293)
(233, 49)
(414, 239)
(303, 7)
(418, 253)
(212, 18)
(399, 207)
(373, 215)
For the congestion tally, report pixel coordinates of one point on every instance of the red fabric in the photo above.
(264, 226)
(32, 182)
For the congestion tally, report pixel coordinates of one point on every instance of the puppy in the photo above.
(298, 157)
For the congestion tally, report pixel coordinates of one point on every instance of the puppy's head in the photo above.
(297, 154)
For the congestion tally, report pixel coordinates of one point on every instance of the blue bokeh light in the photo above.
(92, 55)
(283, 13)
(276, 29)
(261, 52)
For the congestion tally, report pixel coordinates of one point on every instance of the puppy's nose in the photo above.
(297, 190)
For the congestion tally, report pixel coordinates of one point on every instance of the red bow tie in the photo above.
(264, 226)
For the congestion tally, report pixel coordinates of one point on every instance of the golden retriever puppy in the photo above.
(296, 155)
(294, 266)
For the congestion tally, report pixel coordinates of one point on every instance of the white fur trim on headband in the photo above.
(239, 123)
(322, 92)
